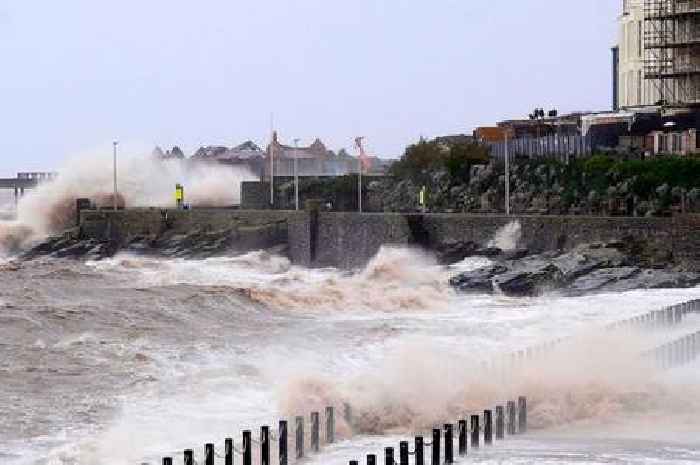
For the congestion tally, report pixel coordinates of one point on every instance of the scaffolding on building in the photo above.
(672, 50)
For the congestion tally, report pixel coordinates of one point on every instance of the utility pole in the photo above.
(114, 199)
(296, 174)
(507, 180)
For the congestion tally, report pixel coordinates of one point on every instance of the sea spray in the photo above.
(507, 237)
(143, 181)
(418, 386)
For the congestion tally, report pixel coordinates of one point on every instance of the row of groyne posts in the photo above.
(472, 431)
(677, 352)
(265, 441)
(510, 419)
(680, 351)
(487, 427)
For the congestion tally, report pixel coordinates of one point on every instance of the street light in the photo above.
(360, 160)
(296, 174)
(507, 176)
(114, 199)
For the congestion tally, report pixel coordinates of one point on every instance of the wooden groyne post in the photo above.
(300, 437)
(283, 443)
(510, 409)
(435, 445)
(500, 422)
(209, 454)
(449, 445)
(315, 433)
(462, 430)
(228, 451)
(419, 450)
(488, 427)
(330, 425)
(264, 445)
(403, 453)
(522, 415)
(476, 431)
(247, 448)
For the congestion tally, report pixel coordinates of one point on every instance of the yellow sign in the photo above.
(179, 192)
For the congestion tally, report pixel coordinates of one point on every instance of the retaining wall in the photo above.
(349, 240)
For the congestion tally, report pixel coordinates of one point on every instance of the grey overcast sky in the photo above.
(78, 73)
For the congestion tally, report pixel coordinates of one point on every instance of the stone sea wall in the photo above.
(349, 240)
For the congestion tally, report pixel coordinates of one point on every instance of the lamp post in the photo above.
(296, 174)
(507, 176)
(114, 198)
(360, 159)
(272, 171)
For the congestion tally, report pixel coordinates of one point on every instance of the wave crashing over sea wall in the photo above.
(143, 181)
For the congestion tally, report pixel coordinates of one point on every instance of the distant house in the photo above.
(246, 154)
(314, 160)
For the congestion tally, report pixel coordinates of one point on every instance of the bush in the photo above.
(460, 159)
(420, 159)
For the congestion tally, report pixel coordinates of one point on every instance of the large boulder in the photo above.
(480, 280)
(521, 283)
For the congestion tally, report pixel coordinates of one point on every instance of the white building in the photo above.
(657, 59)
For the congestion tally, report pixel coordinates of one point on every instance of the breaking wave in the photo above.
(395, 279)
(143, 181)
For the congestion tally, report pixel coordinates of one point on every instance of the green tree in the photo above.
(418, 161)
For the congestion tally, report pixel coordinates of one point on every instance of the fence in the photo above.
(486, 427)
(553, 147)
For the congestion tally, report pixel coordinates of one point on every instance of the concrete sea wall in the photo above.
(349, 240)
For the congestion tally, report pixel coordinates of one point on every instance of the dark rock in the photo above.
(488, 252)
(530, 283)
(480, 280)
(516, 254)
(615, 266)
(599, 278)
(655, 279)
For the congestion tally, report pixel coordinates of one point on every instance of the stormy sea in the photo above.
(130, 358)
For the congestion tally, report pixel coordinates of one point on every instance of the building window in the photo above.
(677, 142)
